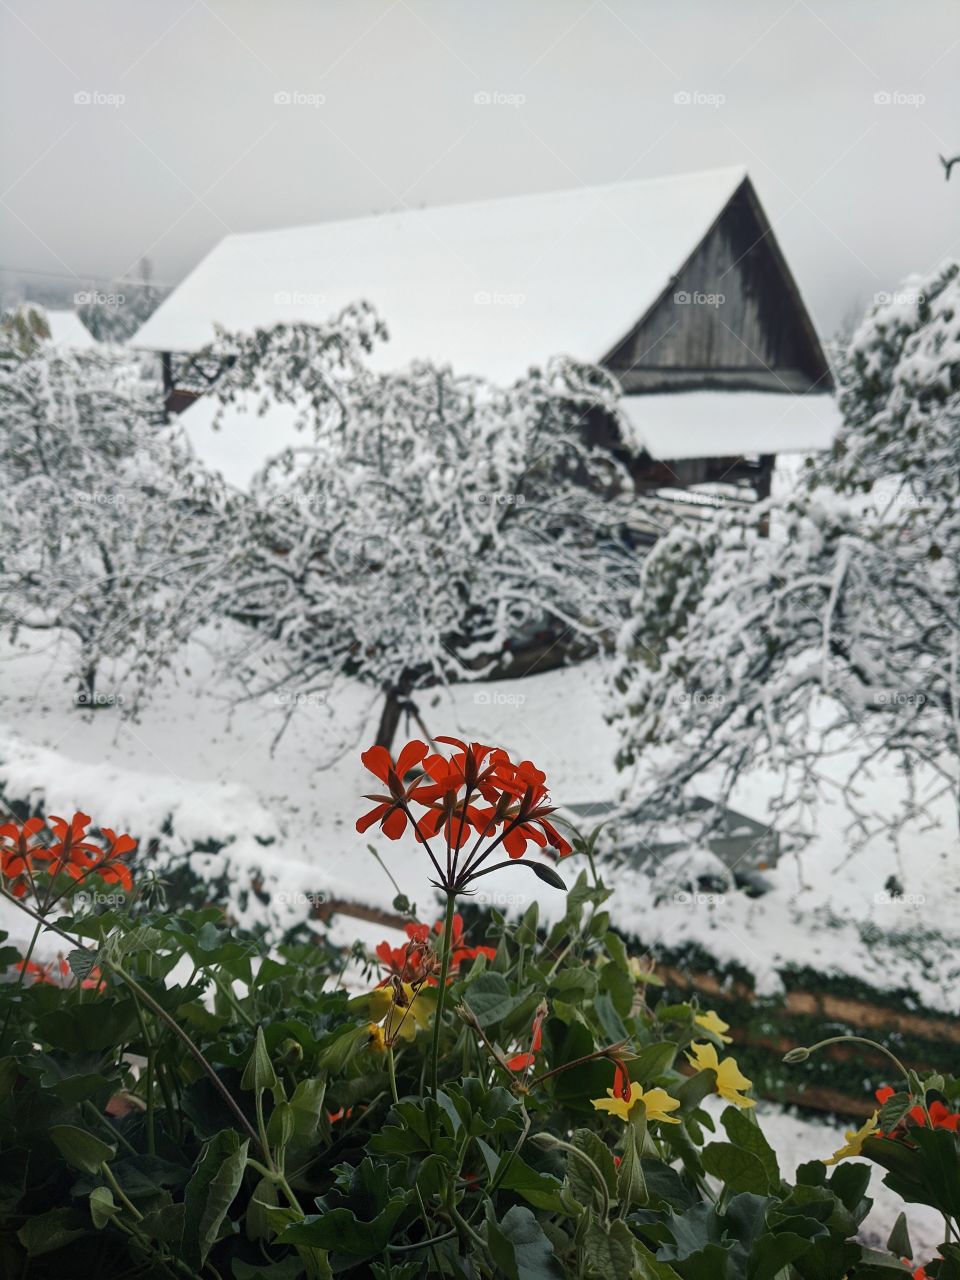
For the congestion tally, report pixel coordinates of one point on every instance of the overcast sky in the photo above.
(837, 107)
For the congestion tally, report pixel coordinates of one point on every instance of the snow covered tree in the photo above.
(834, 644)
(105, 532)
(432, 528)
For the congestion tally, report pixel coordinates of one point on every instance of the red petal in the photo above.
(411, 754)
(377, 760)
(370, 818)
(520, 1061)
(394, 824)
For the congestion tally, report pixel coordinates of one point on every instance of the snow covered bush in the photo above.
(833, 644)
(431, 528)
(105, 530)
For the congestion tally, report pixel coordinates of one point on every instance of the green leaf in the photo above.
(87, 1028)
(740, 1170)
(616, 950)
(609, 1251)
(103, 1207)
(80, 1149)
(81, 961)
(744, 1132)
(340, 1230)
(490, 1000)
(50, 1231)
(582, 1180)
(259, 1073)
(519, 1246)
(280, 1126)
(613, 1028)
(541, 1190)
(893, 1111)
(771, 1253)
(649, 1266)
(210, 1193)
(652, 1061)
(631, 1182)
(256, 1221)
(899, 1241)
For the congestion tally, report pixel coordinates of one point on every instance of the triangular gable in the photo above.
(732, 317)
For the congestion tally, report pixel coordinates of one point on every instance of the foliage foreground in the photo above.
(181, 1098)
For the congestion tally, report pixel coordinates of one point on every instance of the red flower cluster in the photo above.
(415, 961)
(940, 1116)
(26, 853)
(477, 790)
(43, 974)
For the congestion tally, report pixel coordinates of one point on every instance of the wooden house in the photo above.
(676, 285)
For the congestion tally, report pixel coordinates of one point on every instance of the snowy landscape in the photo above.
(601, 530)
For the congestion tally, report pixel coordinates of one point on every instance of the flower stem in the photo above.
(392, 1071)
(442, 990)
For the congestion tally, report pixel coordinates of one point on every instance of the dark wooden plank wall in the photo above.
(731, 318)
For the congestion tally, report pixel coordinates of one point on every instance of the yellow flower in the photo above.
(855, 1140)
(401, 1019)
(712, 1022)
(730, 1079)
(657, 1102)
(378, 1041)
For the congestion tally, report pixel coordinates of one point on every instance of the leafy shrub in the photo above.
(181, 1099)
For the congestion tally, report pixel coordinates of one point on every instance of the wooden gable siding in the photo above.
(732, 317)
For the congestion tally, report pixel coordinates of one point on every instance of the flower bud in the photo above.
(796, 1055)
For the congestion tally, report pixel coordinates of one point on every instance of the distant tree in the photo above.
(432, 526)
(834, 644)
(104, 529)
(115, 314)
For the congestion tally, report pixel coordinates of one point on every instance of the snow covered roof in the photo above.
(490, 287)
(68, 330)
(245, 440)
(727, 424)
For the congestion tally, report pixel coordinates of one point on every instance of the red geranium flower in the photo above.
(452, 790)
(24, 855)
(391, 810)
(414, 962)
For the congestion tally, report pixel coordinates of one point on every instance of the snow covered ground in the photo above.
(212, 768)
